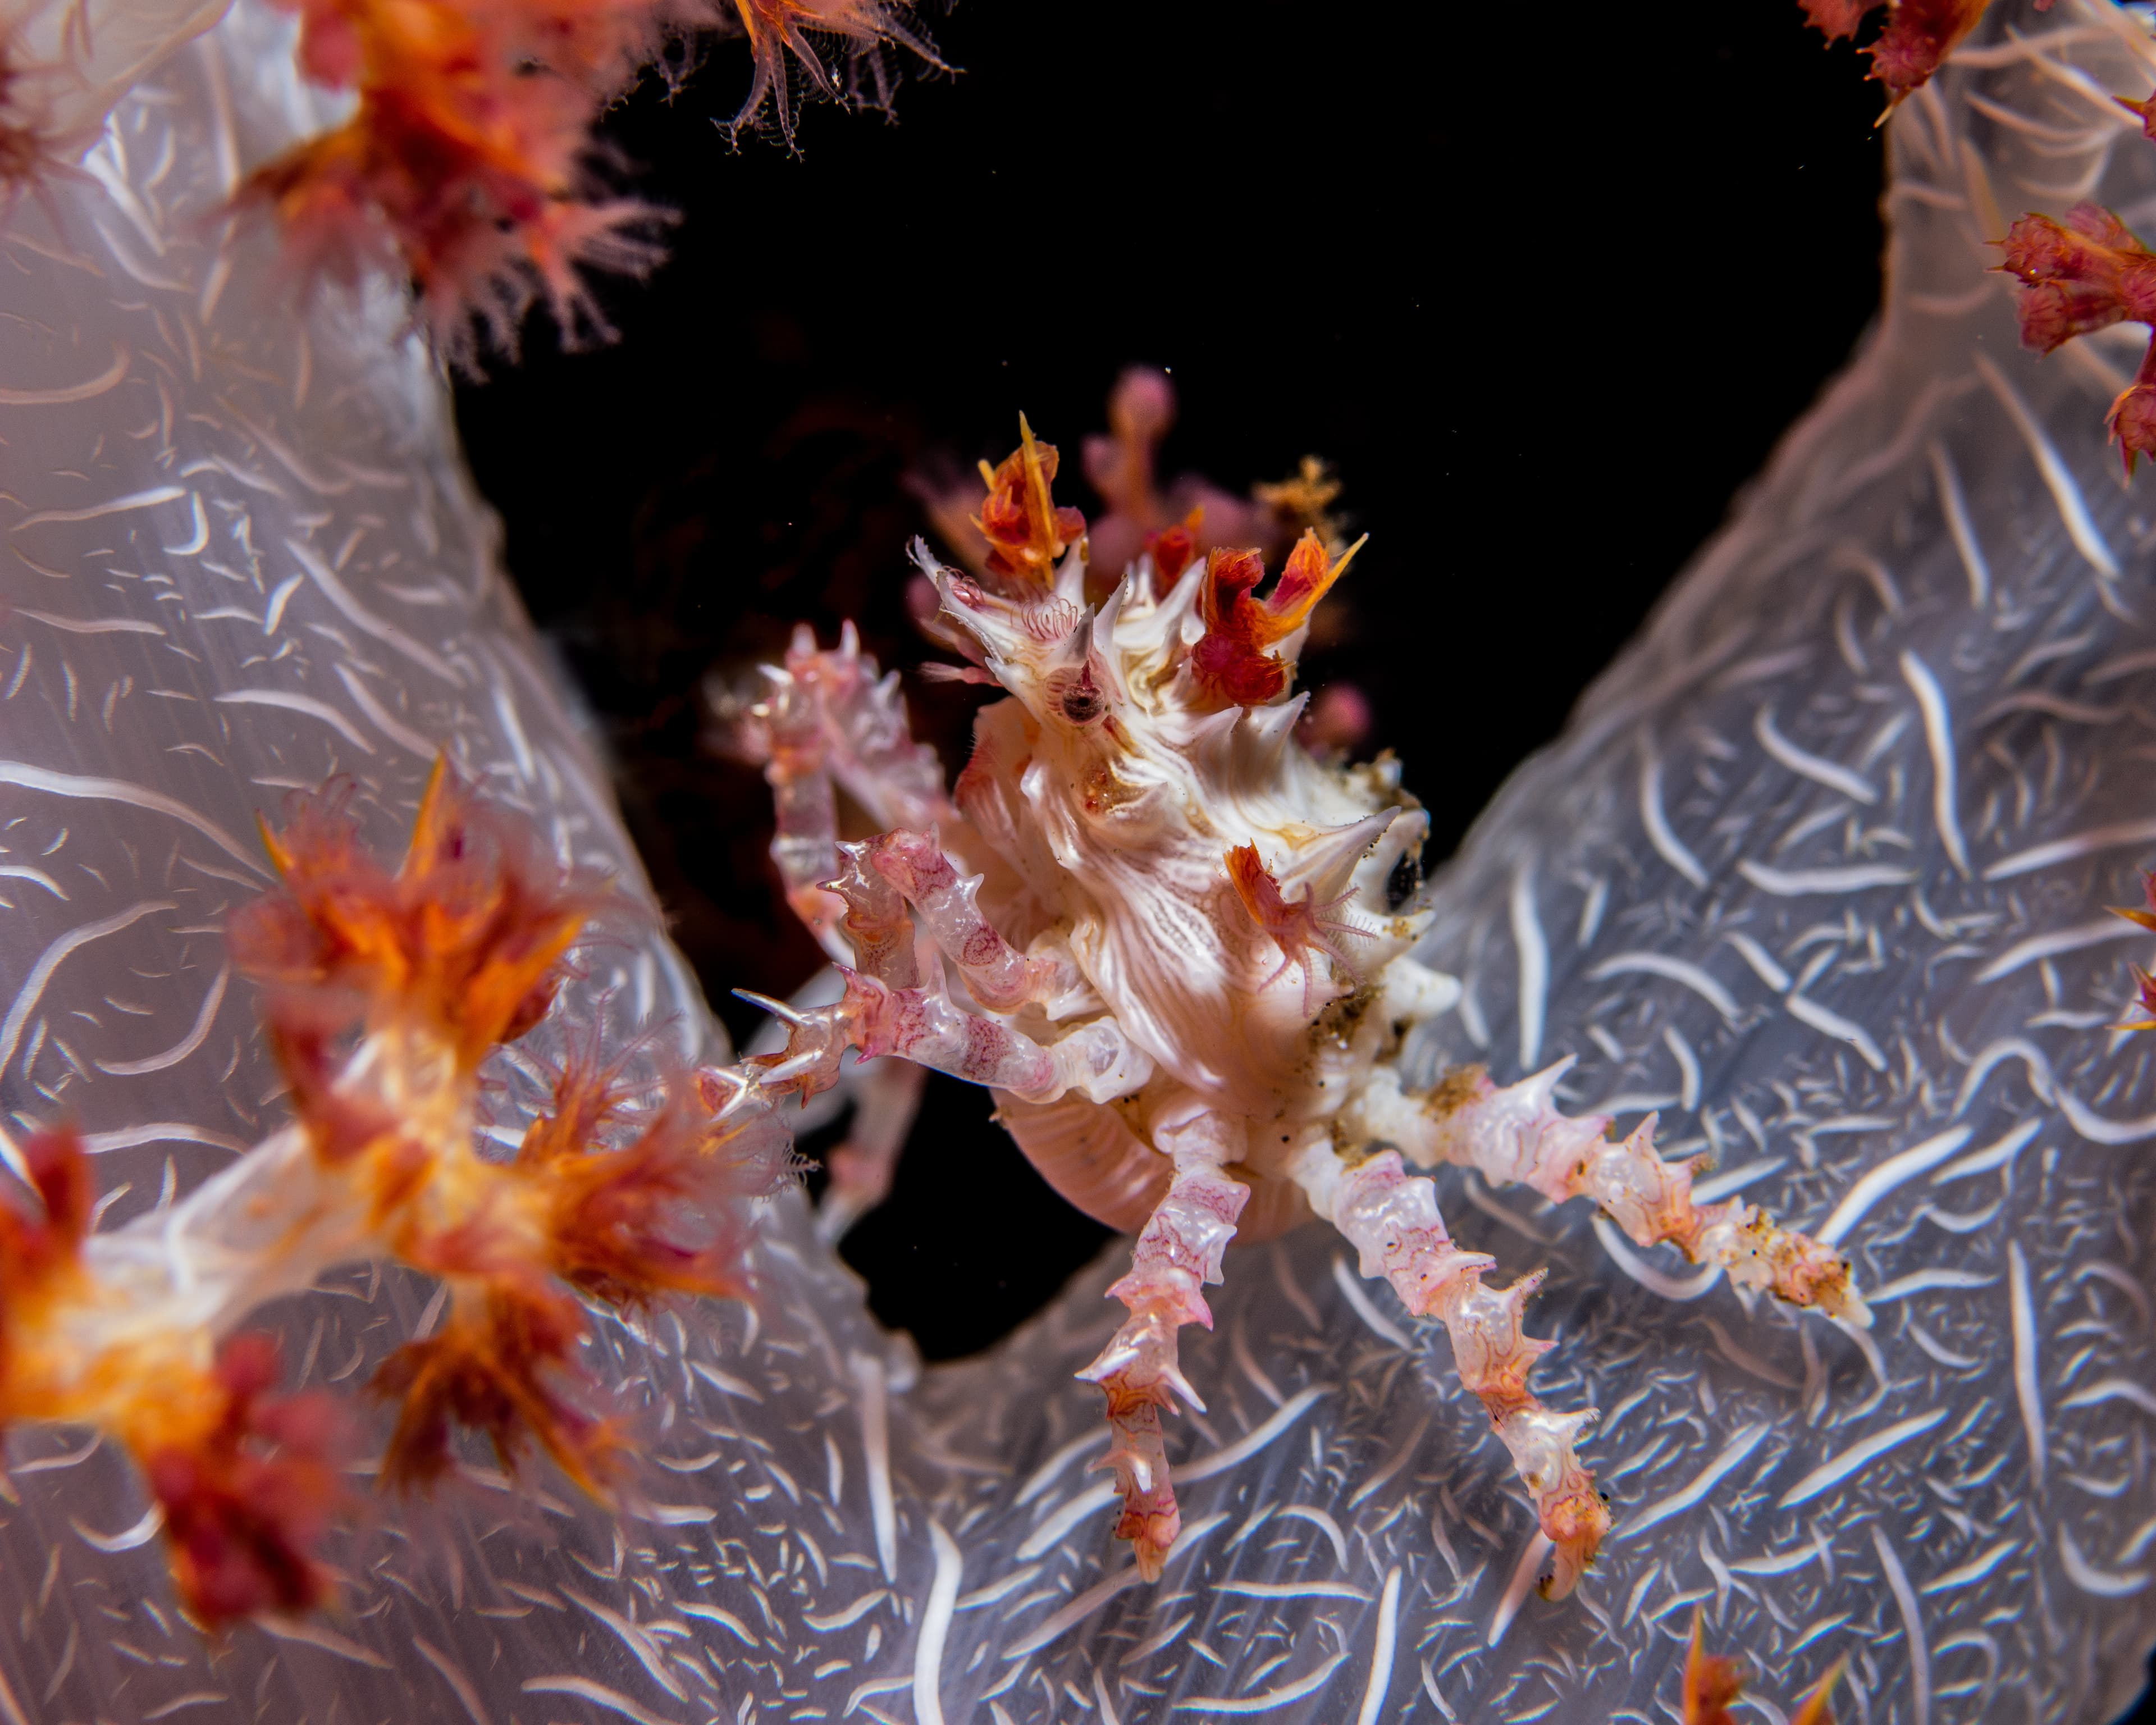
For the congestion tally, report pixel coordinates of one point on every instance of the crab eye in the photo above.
(1079, 699)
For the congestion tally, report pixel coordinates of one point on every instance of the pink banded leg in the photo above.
(870, 745)
(827, 716)
(876, 925)
(925, 1026)
(1392, 1219)
(999, 976)
(1178, 1251)
(785, 731)
(1515, 1135)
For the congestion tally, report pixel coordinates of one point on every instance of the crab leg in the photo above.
(924, 1025)
(998, 975)
(1392, 1219)
(1178, 1251)
(827, 716)
(875, 924)
(1515, 1135)
(885, 1099)
(789, 736)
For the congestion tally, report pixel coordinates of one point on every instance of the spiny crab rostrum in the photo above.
(1177, 945)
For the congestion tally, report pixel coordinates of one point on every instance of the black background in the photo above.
(1544, 286)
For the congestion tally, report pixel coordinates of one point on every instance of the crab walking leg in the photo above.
(887, 1097)
(1392, 1219)
(875, 924)
(870, 743)
(925, 1026)
(1516, 1136)
(787, 732)
(1178, 1251)
(999, 976)
(827, 716)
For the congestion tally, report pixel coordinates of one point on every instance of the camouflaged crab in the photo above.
(1177, 947)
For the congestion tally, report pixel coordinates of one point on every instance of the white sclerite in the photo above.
(1187, 956)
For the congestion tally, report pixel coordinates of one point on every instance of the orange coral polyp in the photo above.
(1028, 534)
(432, 966)
(466, 157)
(494, 1367)
(777, 28)
(463, 941)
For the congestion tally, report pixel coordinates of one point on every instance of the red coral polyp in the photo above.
(40, 1250)
(1232, 662)
(1028, 533)
(247, 1499)
(1918, 36)
(661, 1215)
(34, 1248)
(2085, 274)
(2080, 276)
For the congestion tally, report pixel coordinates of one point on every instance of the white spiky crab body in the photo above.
(1109, 838)
(1177, 945)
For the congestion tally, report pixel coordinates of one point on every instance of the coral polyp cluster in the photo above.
(388, 991)
(1178, 946)
(1915, 41)
(2080, 276)
(1713, 1682)
(2075, 277)
(858, 31)
(469, 163)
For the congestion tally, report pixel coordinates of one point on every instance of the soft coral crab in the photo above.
(1180, 949)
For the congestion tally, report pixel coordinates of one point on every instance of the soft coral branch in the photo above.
(467, 158)
(389, 990)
